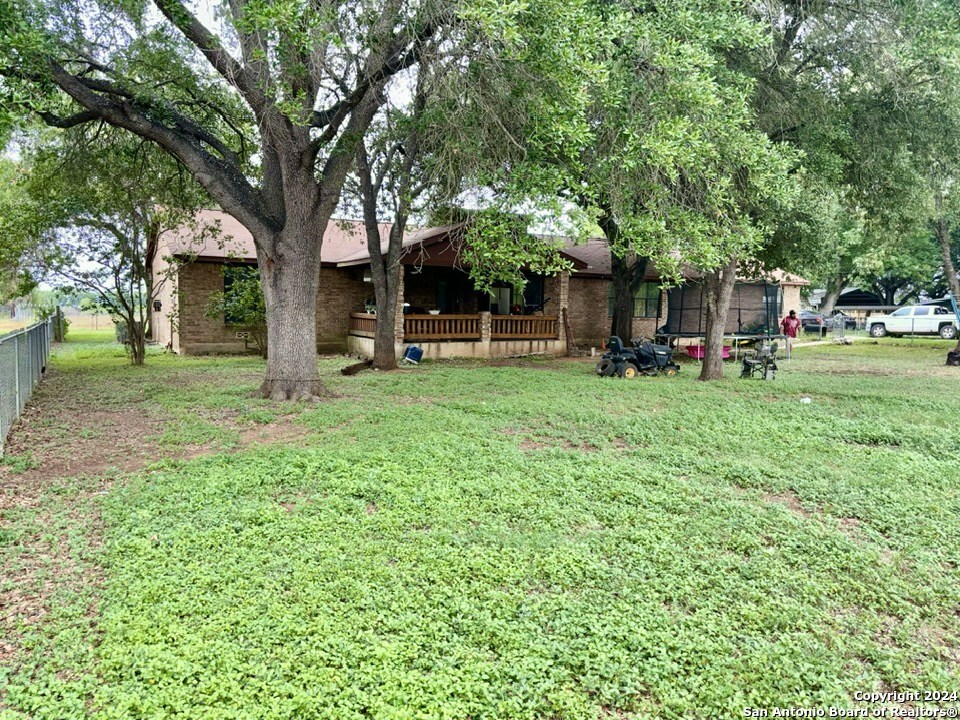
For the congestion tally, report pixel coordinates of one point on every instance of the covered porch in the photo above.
(446, 316)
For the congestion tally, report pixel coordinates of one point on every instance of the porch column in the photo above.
(483, 349)
(563, 285)
(398, 321)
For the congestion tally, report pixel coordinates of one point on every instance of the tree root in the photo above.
(356, 367)
(312, 391)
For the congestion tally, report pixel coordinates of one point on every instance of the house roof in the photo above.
(345, 244)
(596, 254)
(343, 238)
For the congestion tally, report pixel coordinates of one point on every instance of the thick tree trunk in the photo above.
(718, 291)
(949, 269)
(830, 297)
(291, 279)
(627, 273)
(621, 320)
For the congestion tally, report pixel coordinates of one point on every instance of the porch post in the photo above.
(564, 305)
(398, 320)
(485, 331)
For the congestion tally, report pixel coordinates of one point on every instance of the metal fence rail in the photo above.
(23, 360)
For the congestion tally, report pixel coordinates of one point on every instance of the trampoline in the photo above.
(754, 314)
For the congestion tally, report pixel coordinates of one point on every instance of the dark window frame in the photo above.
(647, 300)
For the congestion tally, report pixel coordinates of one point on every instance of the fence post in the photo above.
(16, 369)
(58, 325)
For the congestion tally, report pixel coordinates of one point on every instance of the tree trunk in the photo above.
(384, 337)
(718, 291)
(949, 269)
(136, 341)
(58, 325)
(385, 271)
(621, 320)
(291, 279)
(831, 296)
(627, 273)
(150, 254)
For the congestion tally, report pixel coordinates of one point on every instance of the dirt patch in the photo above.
(849, 524)
(530, 445)
(280, 431)
(82, 443)
(788, 499)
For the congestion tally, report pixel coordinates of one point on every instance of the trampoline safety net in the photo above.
(754, 309)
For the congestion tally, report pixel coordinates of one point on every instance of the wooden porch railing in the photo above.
(363, 324)
(510, 327)
(441, 327)
(423, 328)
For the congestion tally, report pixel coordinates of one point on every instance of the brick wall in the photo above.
(589, 310)
(590, 313)
(420, 286)
(342, 291)
(791, 299)
(199, 333)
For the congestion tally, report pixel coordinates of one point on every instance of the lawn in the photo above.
(473, 541)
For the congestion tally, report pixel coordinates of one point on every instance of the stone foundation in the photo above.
(363, 347)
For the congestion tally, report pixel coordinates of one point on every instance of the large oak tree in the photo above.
(264, 102)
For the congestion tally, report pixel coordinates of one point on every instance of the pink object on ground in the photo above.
(696, 352)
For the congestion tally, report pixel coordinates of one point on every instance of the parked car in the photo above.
(915, 320)
(813, 322)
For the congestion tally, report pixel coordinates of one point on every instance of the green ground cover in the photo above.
(474, 541)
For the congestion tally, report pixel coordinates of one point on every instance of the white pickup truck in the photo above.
(915, 320)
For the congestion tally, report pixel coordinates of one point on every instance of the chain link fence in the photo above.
(23, 359)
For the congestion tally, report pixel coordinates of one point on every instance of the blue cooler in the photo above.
(413, 355)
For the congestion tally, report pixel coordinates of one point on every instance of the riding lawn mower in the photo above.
(643, 358)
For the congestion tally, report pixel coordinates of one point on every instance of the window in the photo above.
(902, 312)
(942, 311)
(236, 280)
(533, 292)
(646, 301)
(922, 311)
(500, 300)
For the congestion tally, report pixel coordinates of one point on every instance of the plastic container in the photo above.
(696, 352)
(413, 354)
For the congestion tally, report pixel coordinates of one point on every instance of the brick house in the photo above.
(443, 312)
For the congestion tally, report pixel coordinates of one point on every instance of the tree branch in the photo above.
(222, 61)
(222, 178)
(70, 121)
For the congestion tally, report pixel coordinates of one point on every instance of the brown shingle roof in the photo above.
(596, 254)
(343, 238)
(345, 243)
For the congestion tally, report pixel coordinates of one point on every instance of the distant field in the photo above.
(78, 321)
